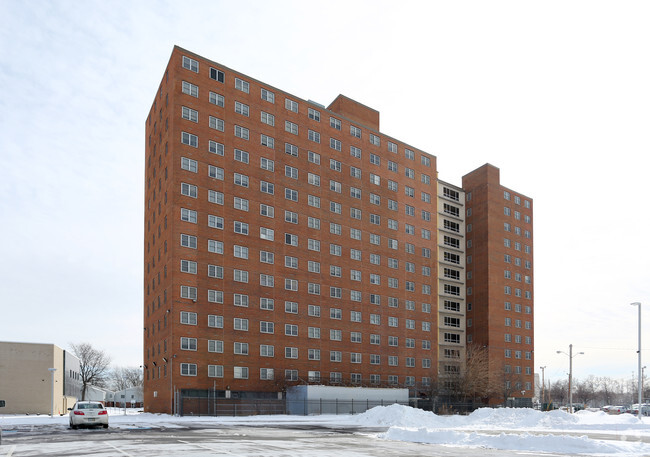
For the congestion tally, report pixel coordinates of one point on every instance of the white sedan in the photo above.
(88, 413)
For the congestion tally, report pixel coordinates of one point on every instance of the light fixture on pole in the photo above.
(52, 370)
(639, 353)
(571, 356)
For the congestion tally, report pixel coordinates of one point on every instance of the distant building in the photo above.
(26, 382)
(133, 397)
(288, 243)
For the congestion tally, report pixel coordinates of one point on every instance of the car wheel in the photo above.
(105, 425)
(73, 426)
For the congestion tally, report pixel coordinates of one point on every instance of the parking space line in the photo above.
(11, 450)
(117, 449)
(205, 447)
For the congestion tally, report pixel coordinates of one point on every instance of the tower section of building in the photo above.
(500, 299)
(451, 284)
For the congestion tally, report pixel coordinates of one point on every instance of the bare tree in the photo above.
(94, 364)
(121, 378)
(560, 391)
(586, 390)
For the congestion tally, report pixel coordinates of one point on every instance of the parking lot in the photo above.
(199, 439)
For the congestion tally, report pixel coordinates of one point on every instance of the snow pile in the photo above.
(518, 442)
(529, 430)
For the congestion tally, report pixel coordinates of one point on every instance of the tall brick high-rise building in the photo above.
(288, 243)
(500, 281)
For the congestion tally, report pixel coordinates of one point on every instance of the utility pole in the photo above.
(542, 368)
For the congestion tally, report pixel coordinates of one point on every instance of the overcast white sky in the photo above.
(554, 93)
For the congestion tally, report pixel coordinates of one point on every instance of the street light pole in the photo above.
(542, 368)
(52, 370)
(639, 353)
(570, 354)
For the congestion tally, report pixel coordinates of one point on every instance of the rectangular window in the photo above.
(216, 148)
(189, 139)
(217, 99)
(267, 95)
(189, 114)
(215, 346)
(267, 141)
(241, 108)
(188, 369)
(242, 132)
(242, 85)
(215, 321)
(216, 123)
(217, 75)
(190, 89)
(313, 114)
(188, 318)
(291, 105)
(190, 64)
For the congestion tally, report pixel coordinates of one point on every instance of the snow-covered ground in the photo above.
(557, 432)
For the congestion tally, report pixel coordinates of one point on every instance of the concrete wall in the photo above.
(26, 383)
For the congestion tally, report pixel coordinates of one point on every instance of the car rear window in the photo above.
(90, 406)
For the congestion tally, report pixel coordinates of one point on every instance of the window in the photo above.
(215, 346)
(240, 348)
(217, 99)
(291, 149)
(215, 271)
(218, 124)
(313, 114)
(188, 266)
(240, 324)
(241, 132)
(291, 127)
(192, 65)
(267, 187)
(215, 321)
(267, 327)
(190, 89)
(217, 75)
(188, 369)
(335, 144)
(267, 141)
(313, 157)
(267, 118)
(215, 296)
(290, 284)
(291, 105)
(313, 223)
(189, 114)
(241, 228)
(189, 139)
(240, 372)
(188, 344)
(313, 245)
(267, 96)
(313, 136)
(241, 108)
(242, 85)
(313, 179)
(188, 318)
(335, 356)
(267, 234)
(216, 148)
(188, 215)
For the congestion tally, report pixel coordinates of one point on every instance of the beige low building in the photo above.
(26, 381)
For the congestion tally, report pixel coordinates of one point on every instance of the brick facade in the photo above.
(262, 208)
